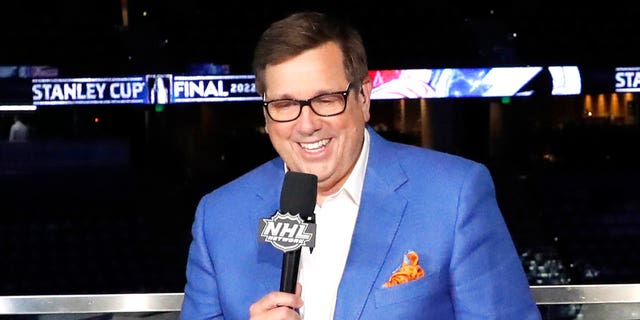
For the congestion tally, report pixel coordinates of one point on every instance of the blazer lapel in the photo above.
(381, 211)
(269, 259)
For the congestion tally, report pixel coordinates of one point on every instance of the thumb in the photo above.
(298, 289)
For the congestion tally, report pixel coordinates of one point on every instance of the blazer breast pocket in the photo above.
(423, 288)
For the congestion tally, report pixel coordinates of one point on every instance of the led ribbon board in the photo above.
(148, 89)
(470, 82)
(627, 79)
(214, 88)
(387, 84)
(72, 91)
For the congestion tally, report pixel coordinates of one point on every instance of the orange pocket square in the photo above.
(409, 271)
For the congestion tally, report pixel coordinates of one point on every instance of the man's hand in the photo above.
(277, 305)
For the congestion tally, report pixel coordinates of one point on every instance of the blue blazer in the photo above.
(439, 205)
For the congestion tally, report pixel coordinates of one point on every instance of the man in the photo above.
(402, 232)
(18, 132)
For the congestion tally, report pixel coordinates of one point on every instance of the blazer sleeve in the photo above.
(488, 279)
(201, 293)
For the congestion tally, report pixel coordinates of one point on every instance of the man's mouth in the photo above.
(315, 146)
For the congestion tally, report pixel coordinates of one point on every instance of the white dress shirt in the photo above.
(320, 272)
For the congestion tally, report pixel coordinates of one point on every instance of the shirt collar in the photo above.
(354, 184)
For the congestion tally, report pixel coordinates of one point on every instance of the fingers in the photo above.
(276, 305)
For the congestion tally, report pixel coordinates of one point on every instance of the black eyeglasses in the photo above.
(325, 105)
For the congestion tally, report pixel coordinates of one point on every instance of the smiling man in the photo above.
(402, 232)
(326, 138)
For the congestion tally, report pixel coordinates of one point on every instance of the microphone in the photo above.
(298, 197)
(293, 226)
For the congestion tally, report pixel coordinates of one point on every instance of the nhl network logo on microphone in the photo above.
(287, 232)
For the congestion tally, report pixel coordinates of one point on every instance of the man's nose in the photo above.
(308, 118)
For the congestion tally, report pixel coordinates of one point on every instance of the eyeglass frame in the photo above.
(307, 102)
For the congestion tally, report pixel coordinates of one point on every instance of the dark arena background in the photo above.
(101, 197)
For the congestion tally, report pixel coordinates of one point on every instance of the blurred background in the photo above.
(101, 197)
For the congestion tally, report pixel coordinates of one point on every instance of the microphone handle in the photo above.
(289, 276)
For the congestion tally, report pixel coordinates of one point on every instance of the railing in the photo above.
(100, 303)
(586, 302)
(586, 294)
(614, 301)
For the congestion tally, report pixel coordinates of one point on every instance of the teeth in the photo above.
(315, 145)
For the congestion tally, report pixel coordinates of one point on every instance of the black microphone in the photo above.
(298, 197)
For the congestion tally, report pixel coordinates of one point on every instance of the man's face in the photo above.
(325, 146)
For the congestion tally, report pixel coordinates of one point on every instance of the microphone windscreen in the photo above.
(298, 195)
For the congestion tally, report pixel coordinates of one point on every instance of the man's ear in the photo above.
(365, 90)
(365, 97)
